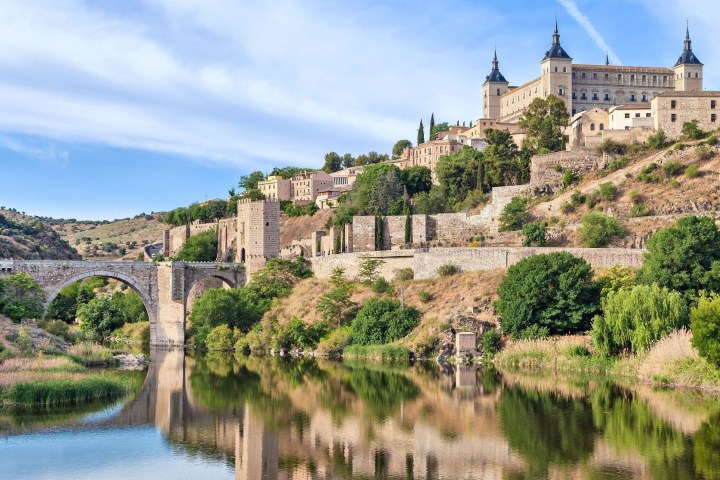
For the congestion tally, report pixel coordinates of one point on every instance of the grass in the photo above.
(377, 352)
(569, 354)
(90, 354)
(138, 332)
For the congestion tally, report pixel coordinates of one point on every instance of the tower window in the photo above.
(583, 96)
(592, 126)
(673, 103)
(673, 117)
(556, 69)
(602, 126)
(498, 91)
(696, 74)
(619, 76)
(689, 75)
(595, 96)
(713, 103)
(632, 97)
(713, 117)
(594, 76)
(561, 91)
(644, 98)
(632, 78)
(574, 95)
(607, 96)
(644, 78)
(583, 75)
(564, 69)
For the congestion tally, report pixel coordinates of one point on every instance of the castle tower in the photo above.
(688, 69)
(494, 87)
(556, 72)
(258, 230)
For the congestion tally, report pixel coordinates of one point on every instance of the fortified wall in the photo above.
(425, 262)
(548, 169)
(175, 238)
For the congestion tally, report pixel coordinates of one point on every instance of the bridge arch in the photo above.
(145, 296)
(211, 279)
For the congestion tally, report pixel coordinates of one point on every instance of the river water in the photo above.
(250, 418)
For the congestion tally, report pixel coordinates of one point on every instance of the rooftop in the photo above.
(706, 93)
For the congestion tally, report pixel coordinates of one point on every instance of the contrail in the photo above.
(584, 21)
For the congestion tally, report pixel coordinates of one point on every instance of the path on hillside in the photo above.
(552, 207)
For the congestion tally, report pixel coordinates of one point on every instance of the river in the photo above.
(250, 418)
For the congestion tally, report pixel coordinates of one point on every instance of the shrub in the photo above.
(646, 174)
(712, 140)
(368, 268)
(684, 257)
(592, 199)
(638, 210)
(703, 152)
(615, 278)
(705, 326)
(617, 164)
(634, 196)
(404, 274)
(199, 248)
(673, 168)
(634, 319)
(534, 234)
(382, 320)
(220, 339)
(567, 207)
(425, 296)
(298, 335)
(335, 306)
(514, 215)
(658, 140)
(233, 308)
(578, 351)
(577, 198)
(335, 343)
(691, 131)
(92, 354)
(60, 329)
(448, 270)
(568, 178)
(692, 171)
(534, 332)
(491, 342)
(612, 147)
(598, 229)
(608, 191)
(21, 297)
(554, 291)
(381, 286)
(377, 352)
(100, 317)
(23, 341)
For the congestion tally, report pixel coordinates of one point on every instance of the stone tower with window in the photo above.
(258, 232)
(556, 72)
(688, 69)
(494, 87)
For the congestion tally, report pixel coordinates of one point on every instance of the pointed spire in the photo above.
(556, 34)
(495, 62)
(556, 51)
(688, 57)
(607, 58)
(495, 75)
(688, 42)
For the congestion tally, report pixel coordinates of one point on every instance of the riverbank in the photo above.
(671, 362)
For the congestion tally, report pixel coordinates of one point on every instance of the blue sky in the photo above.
(109, 108)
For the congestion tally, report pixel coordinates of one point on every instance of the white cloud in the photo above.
(573, 10)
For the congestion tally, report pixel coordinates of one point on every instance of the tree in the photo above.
(250, 182)
(705, 326)
(387, 190)
(382, 320)
(460, 173)
(417, 179)
(368, 268)
(399, 146)
(421, 134)
(432, 125)
(430, 203)
(335, 306)
(543, 122)
(553, 291)
(220, 306)
(691, 131)
(684, 257)
(333, 162)
(534, 234)
(438, 128)
(514, 215)
(21, 298)
(504, 164)
(658, 139)
(633, 319)
(286, 172)
(598, 229)
(199, 248)
(100, 317)
(130, 305)
(348, 161)
(253, 194)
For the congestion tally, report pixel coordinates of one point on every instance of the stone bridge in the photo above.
(167, 289)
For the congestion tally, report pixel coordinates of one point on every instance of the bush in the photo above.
(534, 332)
(608, 191)
(377, 352)
(705, 326)
(382, 320)
(658, 140)
(568, 178)
(577, 198)
(617, 164)
(219, 306)
(684, 257)
(712, 140)
(634, 319)
(534, 234)
(368, 268)
(100, 317)
(448, 270)
(598, 229)
(638, 210)
(673, 168)
(335, 306)
(578, 351)
(567, 207)
(703, 152)
(199, 248)
(615, 278)
(691, 131)
(335, 343)
(612, 147)
(298, 335)
(514, 215)
(404, 274)
(491, 342)
(425, 296)
(220, 339)
(692, 171)
(60, 329)
(553, 291)
(592, 199)
(381, 286)
(21, 297)
(646, 174)
(23, 341)
(634, 196)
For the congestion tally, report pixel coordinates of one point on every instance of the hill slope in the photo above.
(27, 238)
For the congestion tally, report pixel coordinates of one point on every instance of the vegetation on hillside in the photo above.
(30, 238)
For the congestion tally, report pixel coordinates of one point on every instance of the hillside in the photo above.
(24, 237)
(299, 228)
(112, 240)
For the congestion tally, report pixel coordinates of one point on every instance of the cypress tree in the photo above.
(408, 227)
(379, 243)
(421, 133)
(432, 125)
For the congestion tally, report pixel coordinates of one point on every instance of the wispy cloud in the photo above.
(30, 149)
(573, 10)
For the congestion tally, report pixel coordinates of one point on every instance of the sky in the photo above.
(110, 108)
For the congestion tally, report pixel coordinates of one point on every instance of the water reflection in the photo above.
(275, 418)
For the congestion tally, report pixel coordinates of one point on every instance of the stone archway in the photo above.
(145, 296)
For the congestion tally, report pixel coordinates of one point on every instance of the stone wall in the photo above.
(548, 169)
(363, 231)
(425, 262)
(178, 236)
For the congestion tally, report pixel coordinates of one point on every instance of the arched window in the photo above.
(696, 74)
(592, 126)
(602, 126)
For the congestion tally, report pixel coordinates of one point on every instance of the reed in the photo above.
(64, 391)
(377, 352)
(91, 354)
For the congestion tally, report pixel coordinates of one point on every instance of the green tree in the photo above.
(399, 146)
(534, 234)
(286, 172)
(504, 164)
(633, 319)
(421, 133)
(514, 215)
(382, 320)
(100, 317)
(615, 278)
(691, 131)
(199, 248)
(335, 306)
(597, 230)
(371, 158)
(250, 181)
(684, 257)
(130, 305)
(220, 339)
(438, 128)
(387, 191)
(553, 291)
(417, 179)
(460, 173)
(348, 161)
(544, 122)
(658, 139)
(235, 308)
(253, 194)
(64, 306)
(432, 202)
(21, 298)
(333, 162)
(705, 326)
(432, 125)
